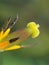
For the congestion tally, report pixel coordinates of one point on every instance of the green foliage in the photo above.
(27, 10)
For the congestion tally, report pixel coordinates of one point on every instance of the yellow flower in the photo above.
(33, 29)
(19, 36)
(4, 34)
(13, 47)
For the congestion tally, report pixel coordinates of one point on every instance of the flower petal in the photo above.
(33, 29)
(13, 47)
(5, 34)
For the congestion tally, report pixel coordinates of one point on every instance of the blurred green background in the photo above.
(27, 10)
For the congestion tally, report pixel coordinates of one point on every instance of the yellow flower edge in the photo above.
(4, 34)
(13, 47)
(33, 29)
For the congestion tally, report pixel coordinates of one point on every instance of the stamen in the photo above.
(6, 23)
(8, 30)
(13, 23)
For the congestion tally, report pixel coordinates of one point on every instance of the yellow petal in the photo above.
(5, 34)
(4, 44)
(33, 29)
(35, 33)
(13, 47)
(1, 33)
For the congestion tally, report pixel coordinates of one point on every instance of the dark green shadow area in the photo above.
(16, 58)
(1, 58)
